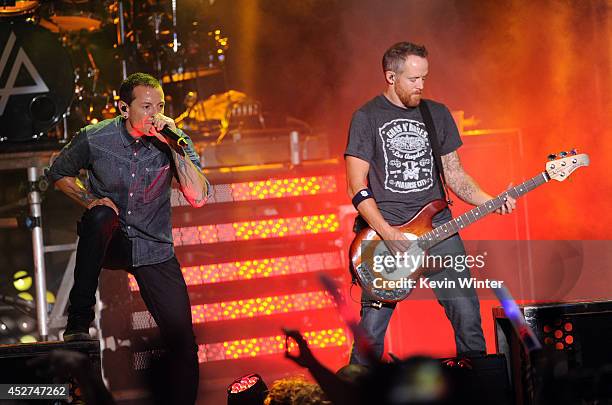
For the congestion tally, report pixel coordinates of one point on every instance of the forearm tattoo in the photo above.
(82, 193)
(181, 164)
(193, 182)
(74, 189)
(86, 197)
(458, 180)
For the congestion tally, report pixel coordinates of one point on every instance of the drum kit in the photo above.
(61, 61)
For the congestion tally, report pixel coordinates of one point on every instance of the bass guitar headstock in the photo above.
(562, 165)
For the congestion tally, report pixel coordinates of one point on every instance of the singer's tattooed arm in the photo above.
(194, 185)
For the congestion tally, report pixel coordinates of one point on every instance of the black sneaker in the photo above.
(76, 335)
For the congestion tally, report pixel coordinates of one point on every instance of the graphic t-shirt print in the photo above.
(408, 157)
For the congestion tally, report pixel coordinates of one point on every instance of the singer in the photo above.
(130, 162)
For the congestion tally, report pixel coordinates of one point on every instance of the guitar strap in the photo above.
(435, 148)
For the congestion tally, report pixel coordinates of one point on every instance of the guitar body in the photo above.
(368, 243)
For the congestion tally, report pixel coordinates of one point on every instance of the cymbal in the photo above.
(64, 23)
(20, 8)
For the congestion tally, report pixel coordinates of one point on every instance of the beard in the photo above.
(408, 98)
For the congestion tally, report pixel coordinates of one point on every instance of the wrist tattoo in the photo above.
(86, 197)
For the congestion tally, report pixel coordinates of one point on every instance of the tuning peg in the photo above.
(552, 156)
(574, 151)
(562, 154)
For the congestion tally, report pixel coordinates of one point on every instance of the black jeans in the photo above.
(461, 306)
(162, 287)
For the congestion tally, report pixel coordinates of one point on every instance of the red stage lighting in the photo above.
(247, 390)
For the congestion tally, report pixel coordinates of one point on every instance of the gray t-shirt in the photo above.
(402, 175)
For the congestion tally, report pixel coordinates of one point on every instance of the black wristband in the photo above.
(361, 195)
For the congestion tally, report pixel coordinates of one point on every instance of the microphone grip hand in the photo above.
(170, 134)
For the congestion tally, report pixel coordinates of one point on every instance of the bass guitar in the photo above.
(387, 279)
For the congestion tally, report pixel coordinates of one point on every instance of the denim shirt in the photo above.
(136, 174)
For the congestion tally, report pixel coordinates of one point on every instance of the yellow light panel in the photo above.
(260, 229)
(245, 308)
(256, 268)
(252, 347)
(266, 189)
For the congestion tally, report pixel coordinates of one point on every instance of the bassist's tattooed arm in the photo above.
(462, 184)
(465, 187)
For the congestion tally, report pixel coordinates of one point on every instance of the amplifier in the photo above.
(576, 334)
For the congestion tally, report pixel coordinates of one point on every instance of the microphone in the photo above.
(168, 133)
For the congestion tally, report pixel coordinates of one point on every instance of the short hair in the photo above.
(394, 57)
(352, 373)
(295, 391)
(126, 91)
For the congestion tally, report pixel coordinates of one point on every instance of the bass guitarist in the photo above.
(397, 143)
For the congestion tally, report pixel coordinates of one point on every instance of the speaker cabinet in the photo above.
(483, 381)
(576, 335)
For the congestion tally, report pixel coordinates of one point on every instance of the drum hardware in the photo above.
(175, 43)
(121, 37)
(64, 138)
(35, 199)
(181, 75)
(87, 75)
(153, 35)
(91, 91)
